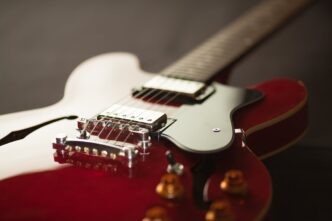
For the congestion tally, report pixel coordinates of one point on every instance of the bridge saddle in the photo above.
(119, 133)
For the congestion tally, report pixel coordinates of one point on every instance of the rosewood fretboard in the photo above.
(229, 44)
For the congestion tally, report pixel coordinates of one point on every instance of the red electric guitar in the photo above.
(124, 144)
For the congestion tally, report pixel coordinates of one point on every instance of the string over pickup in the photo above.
(174, 89)
(152, 120)
(185, 87)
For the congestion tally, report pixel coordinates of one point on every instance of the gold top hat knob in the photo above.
(219, 211)
(156, 213)
(170, 186)
(234, 182)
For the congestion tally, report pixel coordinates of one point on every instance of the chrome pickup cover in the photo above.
(186, 87)
(148, 118)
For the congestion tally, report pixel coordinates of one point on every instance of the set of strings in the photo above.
(257, 15)
(145, 93)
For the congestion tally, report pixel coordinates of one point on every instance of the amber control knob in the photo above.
(220, 210)
(156, 213)
(170, 187)
(234, 182)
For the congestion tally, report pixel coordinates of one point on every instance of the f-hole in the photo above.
(20, 134)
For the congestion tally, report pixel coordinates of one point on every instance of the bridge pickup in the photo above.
(152, 120)
(187, 88)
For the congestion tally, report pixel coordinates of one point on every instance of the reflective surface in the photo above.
(207, 127)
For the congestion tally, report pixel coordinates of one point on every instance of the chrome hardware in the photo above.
(168, 84)
(173, 166)
(244, 136)
(83, 120)
(83, 134)
(135, 137)
(188, 89)
(106, 165)
(94, 152)
(145, 139)
(130, 154)
(124, 115)
(123, 152)
(61, 138)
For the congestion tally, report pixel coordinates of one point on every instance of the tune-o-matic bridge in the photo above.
(114, 150)
(119, 133)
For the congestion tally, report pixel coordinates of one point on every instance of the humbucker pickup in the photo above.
(149, 119)
(185, 87)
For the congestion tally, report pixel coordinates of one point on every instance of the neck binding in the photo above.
(228, 45)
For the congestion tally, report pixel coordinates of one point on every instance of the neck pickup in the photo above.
(181, 88)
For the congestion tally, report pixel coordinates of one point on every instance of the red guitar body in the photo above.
(92, 191)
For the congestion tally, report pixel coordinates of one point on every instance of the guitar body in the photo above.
(34, 186)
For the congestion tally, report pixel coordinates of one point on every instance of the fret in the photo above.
(226, 46)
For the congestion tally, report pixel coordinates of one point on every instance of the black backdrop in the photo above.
(41, 42)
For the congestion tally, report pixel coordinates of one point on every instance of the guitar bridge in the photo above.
(116, 137)
(114, 150)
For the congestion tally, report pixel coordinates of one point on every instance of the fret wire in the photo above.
(229, 44)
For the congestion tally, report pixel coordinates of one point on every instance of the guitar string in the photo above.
(125, 97)
(143, 91)
(109, 134)
(151, 104)
(216, 38)
(131, 101)
(90, 119)
(115, 110)
(129, 134)
(159, 106)
(96, 123)
(154, 107)
(134, 101)
(123, 103)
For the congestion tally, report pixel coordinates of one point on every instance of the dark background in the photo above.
(41, 42)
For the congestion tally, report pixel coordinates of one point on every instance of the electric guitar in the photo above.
(124, 144)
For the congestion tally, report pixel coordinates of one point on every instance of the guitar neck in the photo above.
(229, 44)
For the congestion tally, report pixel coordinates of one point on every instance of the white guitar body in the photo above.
(92, 87)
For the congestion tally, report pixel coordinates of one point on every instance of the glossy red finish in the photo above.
(76, 193)
(87, 194)
(276, 121)
(254, 204)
